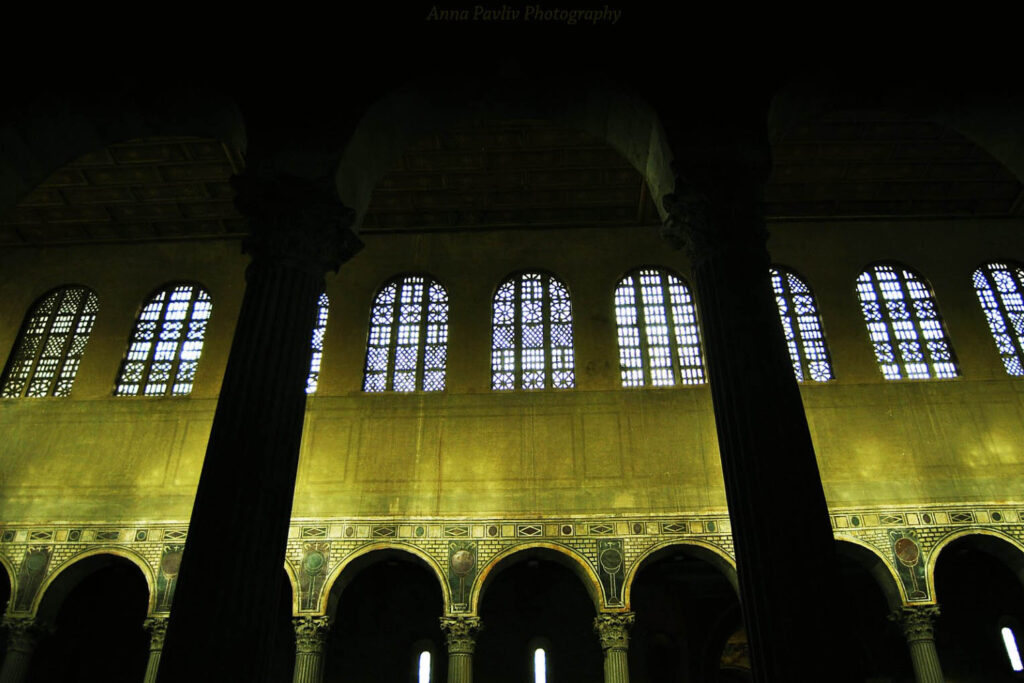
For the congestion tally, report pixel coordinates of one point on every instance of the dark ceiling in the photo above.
(522, 174)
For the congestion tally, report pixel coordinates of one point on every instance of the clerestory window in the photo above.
(166, 343)
(407, 349)
(1000, 289)
(531, 327)
(906, 330)
(51, 343)
(801, 326)
(659, 341)
(318, 343)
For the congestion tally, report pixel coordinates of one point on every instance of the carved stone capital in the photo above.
(23, 632)
(311, 633)
(708, 227)
(294, 222)
(157, 628)
(917, 621)
(461, 633)
(613, 629)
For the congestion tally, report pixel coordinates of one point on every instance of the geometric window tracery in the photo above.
(904, 325)
(659, 341)
(407, 348)
(531, 327)
(801, 326)
(51, 343)
(1000, 289)
(163, 353)
(319, 330)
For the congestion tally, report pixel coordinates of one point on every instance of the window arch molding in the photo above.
(905, 328)
(520, 360)
(50, 343)
(166, 341)
(679, 356)
(407, 341)
(804, 331)
(999, 286)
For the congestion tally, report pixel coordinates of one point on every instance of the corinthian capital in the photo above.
(311, 633)
(461, 633)
(23, 632)
(613, 629)
(917, 621)
(157, 627)
(294, 221)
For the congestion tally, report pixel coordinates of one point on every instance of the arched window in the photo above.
(801, 326)
(1012, 650)
(408, 344)
(423, 667)
(318, 344)
(540, 666)
(532, 334)
(165, 345)
(659, 342)
(999, 285)
(51, 343)
(904, 325)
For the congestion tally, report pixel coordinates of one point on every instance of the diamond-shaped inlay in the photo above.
(890, 520)
(314, 532)
(961, 517)
(456, 531)
(40, 535)
(175, 534)
(388, 531)
(601, 529)
(108, 535)
(529, 530)
(674, 527)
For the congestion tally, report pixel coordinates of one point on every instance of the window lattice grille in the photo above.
(532, 345)
(165, 346)
(999, 286)
(801, 326)
(658, 344)
(51, 344)
(904, 325)
(407, 348)
(318, 344)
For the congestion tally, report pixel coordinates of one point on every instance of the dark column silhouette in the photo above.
(780, 522)
(222, 624)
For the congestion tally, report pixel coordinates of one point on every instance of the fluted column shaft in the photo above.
(917, 623)
(22, 636)
(781, 529)
(157, 627)
(310, 638)
(613, 630)
(221, 624)
(461, 637)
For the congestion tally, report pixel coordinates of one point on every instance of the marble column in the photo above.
(781, 528)
(613, 630)
(23, 634)
(310, 637)
(157, 627)
(917, 622)
(222, 619)
(461, 634)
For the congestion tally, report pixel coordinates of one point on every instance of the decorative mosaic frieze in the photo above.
(607, 550)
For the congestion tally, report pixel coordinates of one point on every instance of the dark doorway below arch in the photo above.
(537, 603)
(975, 591)
(686, 612)
(386, 615)
(97, 636)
